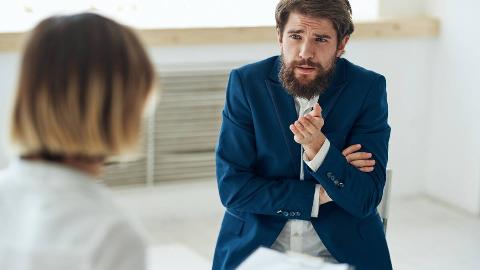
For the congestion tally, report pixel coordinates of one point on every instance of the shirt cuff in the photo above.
(316, 201)
(317, 161)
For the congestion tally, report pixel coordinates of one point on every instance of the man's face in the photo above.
(309, 49)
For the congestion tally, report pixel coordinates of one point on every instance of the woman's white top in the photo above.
(54, 217)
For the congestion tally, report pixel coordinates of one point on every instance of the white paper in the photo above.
(265, 259)
(175, 257)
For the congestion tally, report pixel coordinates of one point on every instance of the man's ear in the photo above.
(342, 45)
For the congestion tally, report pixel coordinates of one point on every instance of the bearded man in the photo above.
(282, 176)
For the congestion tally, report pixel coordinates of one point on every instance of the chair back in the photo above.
(383, 207)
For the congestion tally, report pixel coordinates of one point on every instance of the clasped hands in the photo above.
(307, 132)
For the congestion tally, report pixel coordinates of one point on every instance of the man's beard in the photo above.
(310, 89)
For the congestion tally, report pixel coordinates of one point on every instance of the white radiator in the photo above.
(178, 141)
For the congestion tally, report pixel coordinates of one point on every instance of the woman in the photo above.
(83, 85)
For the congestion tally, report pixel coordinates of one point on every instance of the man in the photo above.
(282, 177)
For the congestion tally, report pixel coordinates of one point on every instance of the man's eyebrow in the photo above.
(300, 31)
(323, 36)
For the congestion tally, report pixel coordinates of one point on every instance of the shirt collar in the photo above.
(304, 103)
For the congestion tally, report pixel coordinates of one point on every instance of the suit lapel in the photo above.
(286, 114)
(328, 99)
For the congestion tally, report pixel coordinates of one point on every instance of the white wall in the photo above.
(408, 8)
(453, 158)
(8, 72)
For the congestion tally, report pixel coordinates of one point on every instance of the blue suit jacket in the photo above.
(258, 165)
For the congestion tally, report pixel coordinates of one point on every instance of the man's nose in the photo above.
(306, 51)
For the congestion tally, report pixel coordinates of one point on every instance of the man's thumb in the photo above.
(317, 111)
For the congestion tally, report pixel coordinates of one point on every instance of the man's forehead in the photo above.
(297, 21)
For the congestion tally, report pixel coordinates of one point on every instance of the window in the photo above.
(18, 16)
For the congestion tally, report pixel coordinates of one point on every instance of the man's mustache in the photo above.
(306, 62)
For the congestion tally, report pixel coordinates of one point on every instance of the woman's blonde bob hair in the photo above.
(83, 84)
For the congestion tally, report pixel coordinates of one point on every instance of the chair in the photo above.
(383, 207)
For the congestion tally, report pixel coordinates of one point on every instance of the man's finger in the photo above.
(316, 121)
(367, 169)
(351, 149)
(358, 155)
(295, 131)
(308, 125)
(298, 136)
(302, 129)
(363, 163)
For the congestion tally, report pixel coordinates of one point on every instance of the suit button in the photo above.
(341, 185)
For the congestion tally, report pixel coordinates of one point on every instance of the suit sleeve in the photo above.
(240, 187)
(357, 192)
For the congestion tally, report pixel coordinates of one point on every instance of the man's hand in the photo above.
(361, 160)
(307, 131)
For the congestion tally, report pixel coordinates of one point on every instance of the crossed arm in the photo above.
(307, 132)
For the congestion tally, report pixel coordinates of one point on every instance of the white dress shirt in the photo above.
(53, 217)
(299, 235)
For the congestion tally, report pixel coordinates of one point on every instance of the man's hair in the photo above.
(84, 81)
(339, 12)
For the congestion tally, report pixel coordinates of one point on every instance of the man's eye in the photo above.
(321, 39)
(295, 36)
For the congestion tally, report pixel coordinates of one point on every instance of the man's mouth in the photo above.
(305, 69)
